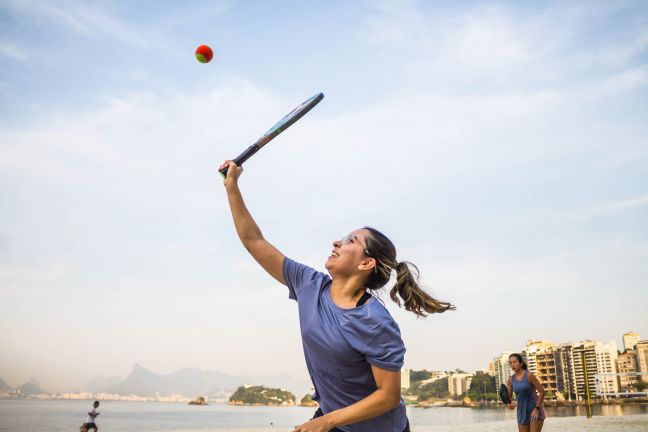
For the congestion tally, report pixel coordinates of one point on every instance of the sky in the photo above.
(502, 146)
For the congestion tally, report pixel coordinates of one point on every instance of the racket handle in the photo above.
(241, 158)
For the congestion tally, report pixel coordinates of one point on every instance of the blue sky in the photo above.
(502, 146)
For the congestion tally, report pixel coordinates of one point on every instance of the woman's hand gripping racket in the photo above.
(504, 394)
(275, 130)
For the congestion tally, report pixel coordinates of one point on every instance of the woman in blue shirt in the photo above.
(352, 345)
(529, 396)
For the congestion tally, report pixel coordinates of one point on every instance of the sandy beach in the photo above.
(630, 423)
(571, 424)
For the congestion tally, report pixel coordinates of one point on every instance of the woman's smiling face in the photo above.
(348, 253)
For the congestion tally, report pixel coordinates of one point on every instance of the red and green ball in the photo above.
(204, 54)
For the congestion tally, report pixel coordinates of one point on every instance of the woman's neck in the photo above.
(346, 292)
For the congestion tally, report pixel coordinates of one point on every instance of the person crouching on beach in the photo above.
(529, 394)
(353, 347)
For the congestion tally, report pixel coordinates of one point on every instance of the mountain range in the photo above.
(31, 387)
(192, 382)
(188, 382)
(4, 386)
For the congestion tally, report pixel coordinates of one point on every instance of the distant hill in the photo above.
(191, 382)
(99, 383)
(281, 380)
(188, 382)
(32, 387)
(261, 395)
(307, 401)
(4, 387)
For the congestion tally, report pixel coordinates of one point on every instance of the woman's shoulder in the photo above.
(377, 314)
(301, 279)
(377, 305)
(305, 272)
(381, 338)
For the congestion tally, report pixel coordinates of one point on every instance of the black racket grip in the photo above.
(241, 158)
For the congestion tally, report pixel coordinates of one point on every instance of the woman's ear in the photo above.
(367, 264)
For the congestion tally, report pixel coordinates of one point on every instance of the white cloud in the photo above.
(9, 49)
(78, 17)
(501, 49)
(625, 204)
(395, 22)
(461, 163)
(627, 80)
(31, 280)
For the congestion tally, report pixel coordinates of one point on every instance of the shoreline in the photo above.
(227, 418)
(547, 404)
(423, 405)
(634, 422)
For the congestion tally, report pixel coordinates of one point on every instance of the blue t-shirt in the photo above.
(340, 345)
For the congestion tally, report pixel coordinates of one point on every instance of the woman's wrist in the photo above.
(231, 185)
(330, 420)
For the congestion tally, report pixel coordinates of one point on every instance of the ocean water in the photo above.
(67, 415)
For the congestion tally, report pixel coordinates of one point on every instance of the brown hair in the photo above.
(520, 359)
(414, 298)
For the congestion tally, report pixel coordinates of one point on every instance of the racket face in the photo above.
(504, 396)
(290, 118)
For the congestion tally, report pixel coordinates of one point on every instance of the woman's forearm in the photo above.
(378, 402)
(541, 396)
(246, 227)
(538, 387)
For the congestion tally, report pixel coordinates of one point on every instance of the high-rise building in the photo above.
(405, 378)
(584, 362)
(458, 383)
(630, 340)
(642, 358)
(565, 377)
(546, 370)
(592, 358)
(532, 348)
(606, 363)
(627, 364)
(502, 369)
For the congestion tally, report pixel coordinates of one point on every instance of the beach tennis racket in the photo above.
(504, 394)
(275, 130)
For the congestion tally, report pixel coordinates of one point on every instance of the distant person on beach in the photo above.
(90, 421)
(530, 413)
(353, 347)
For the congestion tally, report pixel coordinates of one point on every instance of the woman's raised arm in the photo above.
(270, 258)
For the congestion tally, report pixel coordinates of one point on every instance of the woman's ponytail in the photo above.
(412, 296)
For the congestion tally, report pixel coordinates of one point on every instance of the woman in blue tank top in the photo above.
(529, 395)
(353, 347)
